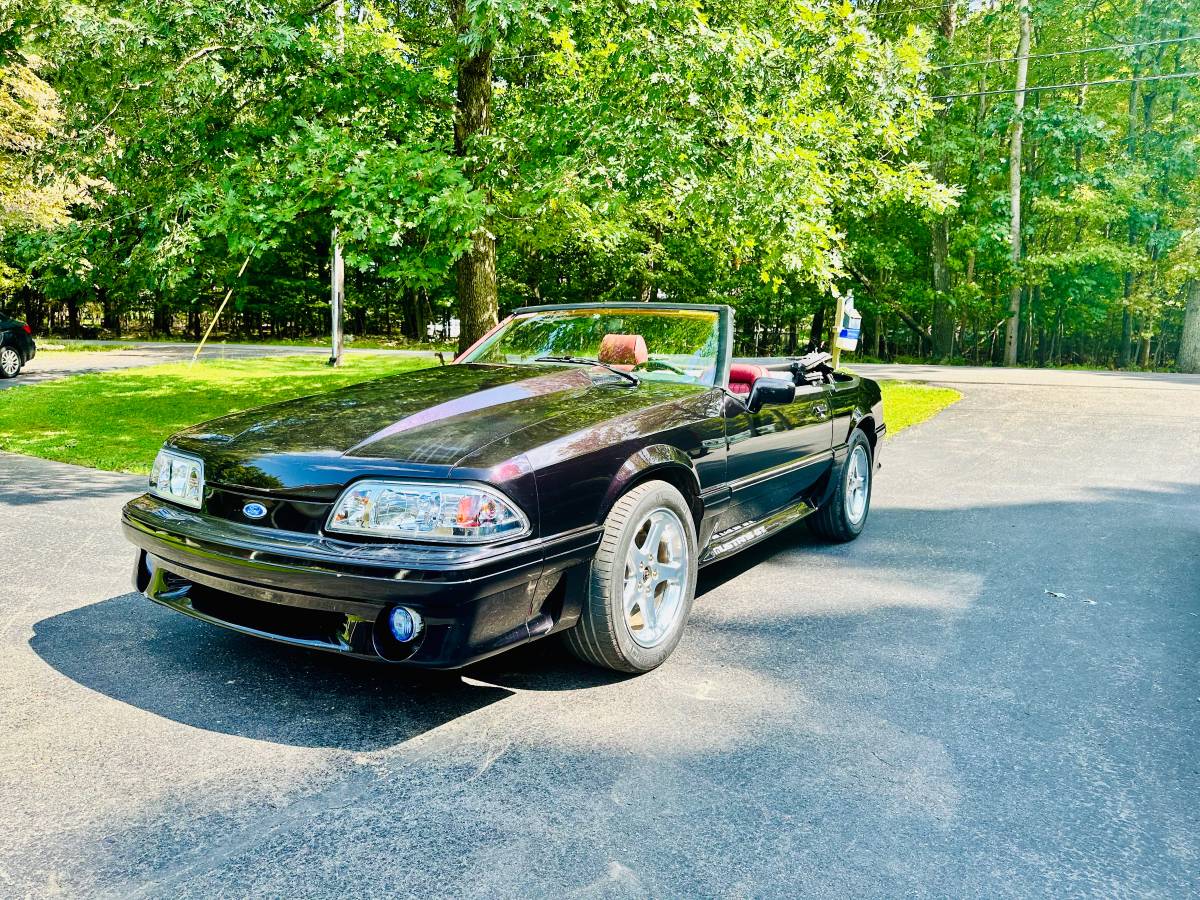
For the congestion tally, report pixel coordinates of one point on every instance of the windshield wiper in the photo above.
(584, 361)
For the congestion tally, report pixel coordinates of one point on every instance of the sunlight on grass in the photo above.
(906, 404)
(118, 420)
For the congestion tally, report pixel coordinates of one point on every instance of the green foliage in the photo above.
(768, 155)
(1106, 196)
(661, 148)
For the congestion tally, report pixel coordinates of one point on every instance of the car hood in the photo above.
(430, 419)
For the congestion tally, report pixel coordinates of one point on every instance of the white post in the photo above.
(337, 271)
(337, 298)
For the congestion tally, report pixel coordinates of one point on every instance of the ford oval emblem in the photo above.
(254, 510)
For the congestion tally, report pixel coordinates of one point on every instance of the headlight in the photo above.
(178, 477)
(428, 511)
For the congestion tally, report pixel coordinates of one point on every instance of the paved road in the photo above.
(909, 714)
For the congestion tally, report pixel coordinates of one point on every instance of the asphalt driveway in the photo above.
(914, 713)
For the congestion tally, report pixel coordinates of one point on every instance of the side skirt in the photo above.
(729, 541)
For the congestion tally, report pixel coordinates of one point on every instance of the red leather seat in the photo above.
(743, 375)
(624, 350)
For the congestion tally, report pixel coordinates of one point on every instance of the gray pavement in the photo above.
(912, 713)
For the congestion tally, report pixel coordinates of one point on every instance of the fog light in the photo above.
(404, 624)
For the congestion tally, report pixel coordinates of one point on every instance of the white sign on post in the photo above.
(850, 328)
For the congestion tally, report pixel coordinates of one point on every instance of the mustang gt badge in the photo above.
(254, 510)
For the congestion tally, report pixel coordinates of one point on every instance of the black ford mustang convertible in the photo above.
(569, 473)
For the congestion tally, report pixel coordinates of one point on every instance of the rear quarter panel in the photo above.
(854, 401)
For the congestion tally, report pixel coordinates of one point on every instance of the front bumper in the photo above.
(331, 594)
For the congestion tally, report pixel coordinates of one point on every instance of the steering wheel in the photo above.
(654, 364)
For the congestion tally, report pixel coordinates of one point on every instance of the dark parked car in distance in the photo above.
(17, 347)
(568, 474)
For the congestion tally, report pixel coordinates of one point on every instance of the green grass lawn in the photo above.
(906, 404)
(53, 346)
(118, 420)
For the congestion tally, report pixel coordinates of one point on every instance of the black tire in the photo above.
(10, 362)
(604, 636)
(833, 521)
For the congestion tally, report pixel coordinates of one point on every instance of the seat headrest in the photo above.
(746, 373)
(623, 350)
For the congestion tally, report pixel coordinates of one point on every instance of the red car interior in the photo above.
(623, 350)
(743, 375)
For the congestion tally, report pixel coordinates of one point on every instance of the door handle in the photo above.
(821, 409)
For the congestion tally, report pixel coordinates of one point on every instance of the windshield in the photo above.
(657, 344)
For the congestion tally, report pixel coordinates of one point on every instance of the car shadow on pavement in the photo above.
(938, 561)
(194, 673)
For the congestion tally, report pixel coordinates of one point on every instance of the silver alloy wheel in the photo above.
(10, 362)
(858, 484)
(656, 571)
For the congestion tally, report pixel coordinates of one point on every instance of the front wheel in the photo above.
(642, 583)
(845, 513)
(10, 362)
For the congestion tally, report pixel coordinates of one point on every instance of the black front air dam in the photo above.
(475, 601)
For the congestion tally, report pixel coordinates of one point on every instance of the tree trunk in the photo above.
(72, 317)
(337, 269)
(1131, 143)
(1189, 344)
(1014, 188)
(1126, 324)
(943, 313)
(408, 314)
(111, 317)
(816, 333)
(478, 305)
(161, 324)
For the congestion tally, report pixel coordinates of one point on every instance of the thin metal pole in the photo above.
(221, 308)
(337, 297)
(337, 270)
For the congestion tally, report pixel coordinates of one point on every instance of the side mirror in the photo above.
(775, 391)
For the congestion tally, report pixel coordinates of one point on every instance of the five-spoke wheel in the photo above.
(642, 582)
(858, 483)
(844, 514)
(655, 576)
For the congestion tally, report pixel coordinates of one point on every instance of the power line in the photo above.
(1070, 84)
(985, 62)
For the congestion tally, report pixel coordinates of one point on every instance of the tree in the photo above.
(1014, 187)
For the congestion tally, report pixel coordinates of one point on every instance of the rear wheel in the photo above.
(642, 583)
(844, 514)
(10, 362)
